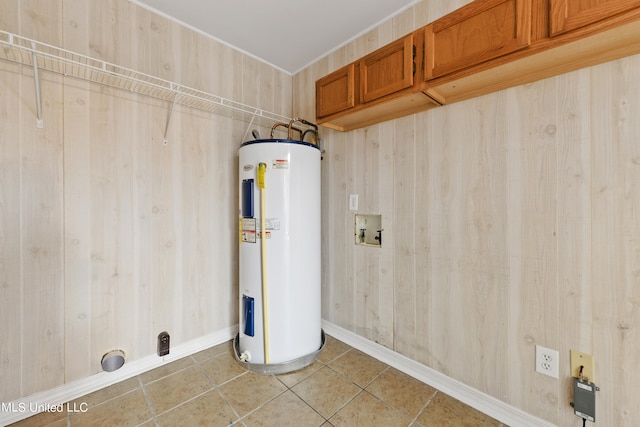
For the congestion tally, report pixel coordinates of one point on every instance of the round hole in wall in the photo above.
(113, 360)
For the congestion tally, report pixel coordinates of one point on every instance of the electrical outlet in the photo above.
(585, 360)
(353, 202)
(547, 361)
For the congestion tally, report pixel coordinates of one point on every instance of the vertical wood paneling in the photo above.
(101, 290)
(109, 236)
(403, 237)
(484, 249)
(10, 216)
(510, 220)
(195, 172)
(341, 231)
(145, 135)
(374, 313)
(424, 242)
(250, 81)
(41, 184)
(78, 269)
(403, 23)
(616, 237)
(10, 232)
(533, 207)
(363, 286)
(384, 200)
(77, 194)
(574, 223)
(518, 395)
(352, 154)
(445, 162)
(160, 56)
(538, 162)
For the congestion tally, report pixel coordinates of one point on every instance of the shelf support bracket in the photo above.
(253, 117)
(36, 79)
(166, 129)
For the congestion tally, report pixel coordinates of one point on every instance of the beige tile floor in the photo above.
(344, 387)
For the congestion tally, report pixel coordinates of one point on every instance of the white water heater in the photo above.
(279, 255)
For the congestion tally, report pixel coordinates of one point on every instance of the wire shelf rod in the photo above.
(42, 56)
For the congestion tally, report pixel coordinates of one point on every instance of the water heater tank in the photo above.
(279, 255)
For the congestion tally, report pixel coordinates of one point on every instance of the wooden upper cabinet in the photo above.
(336, 92)
(483, 47)
(388, 69)
(480, 31)
(568, 15)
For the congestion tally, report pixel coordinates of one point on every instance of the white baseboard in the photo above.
(489, 405)
(11, 412)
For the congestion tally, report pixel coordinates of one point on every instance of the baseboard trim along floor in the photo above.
(489, 405)
(20, 409)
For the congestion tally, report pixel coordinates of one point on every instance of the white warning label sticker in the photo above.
(249, 230)
(280, 164)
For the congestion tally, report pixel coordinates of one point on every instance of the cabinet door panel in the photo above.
(473, 34)
(388, 69)
(336, 91)
(567, 15)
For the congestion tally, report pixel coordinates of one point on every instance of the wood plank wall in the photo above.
(109, 236)
(509, 220)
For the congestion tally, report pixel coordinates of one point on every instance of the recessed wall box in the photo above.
(368, 230)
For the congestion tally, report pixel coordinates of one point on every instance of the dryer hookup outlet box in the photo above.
(163, 344)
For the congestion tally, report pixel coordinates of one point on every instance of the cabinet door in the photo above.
(388, 69)
(476, 33)
(567, 15)
(335, 92)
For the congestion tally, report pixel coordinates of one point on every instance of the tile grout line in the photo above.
(241, 420)
(421, 411)
(217, 387)
(214, 386)
(149, 404)
(325, 419)
(365, 388)
(262, 406)
(361, 389)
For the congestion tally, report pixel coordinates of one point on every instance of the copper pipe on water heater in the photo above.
(302, 134)
(277, 125)
(290, 128)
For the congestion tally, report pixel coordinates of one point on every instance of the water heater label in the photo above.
(280, 164)
(271, 224)
(249, 230)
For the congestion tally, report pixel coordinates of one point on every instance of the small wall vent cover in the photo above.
(112, 360)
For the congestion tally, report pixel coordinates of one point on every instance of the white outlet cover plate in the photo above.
(547, 361)
(353, 202)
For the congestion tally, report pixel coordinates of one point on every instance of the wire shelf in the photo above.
(25, 51)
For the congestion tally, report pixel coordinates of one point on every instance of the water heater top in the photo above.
(282, 141)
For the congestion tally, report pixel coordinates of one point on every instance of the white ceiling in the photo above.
(284, 33)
